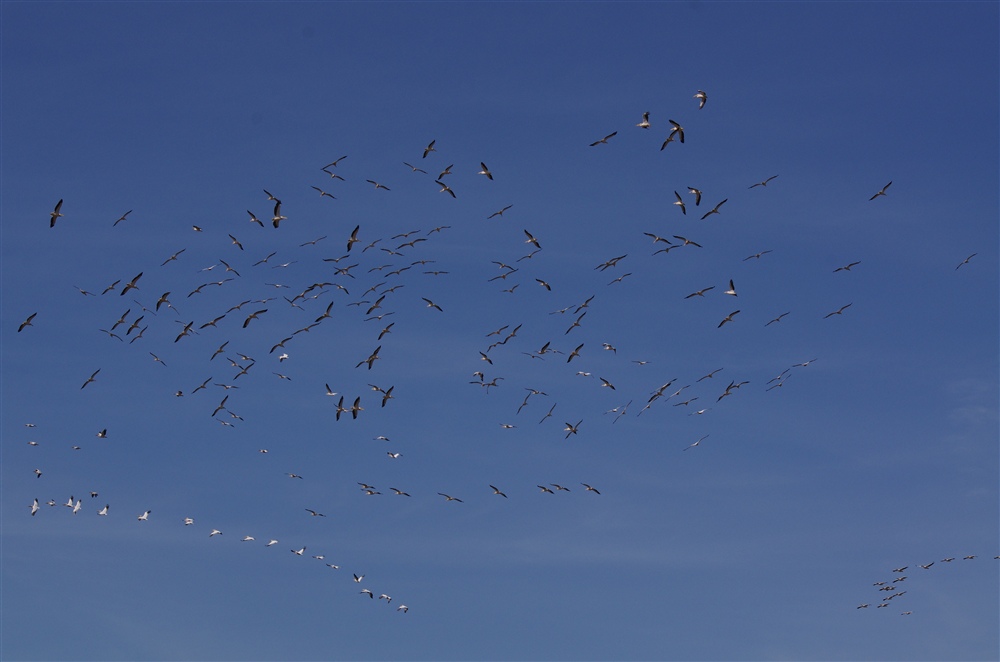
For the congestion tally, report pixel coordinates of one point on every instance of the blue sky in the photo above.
(759, 542)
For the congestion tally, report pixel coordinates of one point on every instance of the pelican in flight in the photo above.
(763, 183)
(965, 261)
(847, 267)
(499, 213)
(531, 240)
(881, 192)
(700, 293)
(277, 218)
(54, 214)
(644, 124)
(26, 322)
(680, 203)
(445, 188)
(839, 311)
(702, 98)
(714, 210)
(697, 442)
(776, 319)
(602, 141)
(678, 130)
(131, 285)
(91, 378)
(728, 318)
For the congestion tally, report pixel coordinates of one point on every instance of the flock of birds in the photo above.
(372, 278)
(892, 588)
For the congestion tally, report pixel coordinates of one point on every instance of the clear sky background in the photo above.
(759, 542)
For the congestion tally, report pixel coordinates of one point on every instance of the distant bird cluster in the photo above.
(892, 588)
(371, 276)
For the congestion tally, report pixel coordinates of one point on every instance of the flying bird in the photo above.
(644, 124)
(847, 267)
(26, 322)
(604, 140)
(253, 316)
(678, 130)
(91, 378)
(728, 318)
(121, 218)
(882, 192)
(776, 319)
(445, 188)
(680, 203)
(499, 213)
(965, 261)
(531, 240)
(700, 293)
(714, 210)
(763, 183)
(485, 171)
(429, 149)
(697, 442)
(276, 218)
(702, 98)
(55, 213)
(131, 285)
(838, 311)
(575, 352)
(334, 164)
